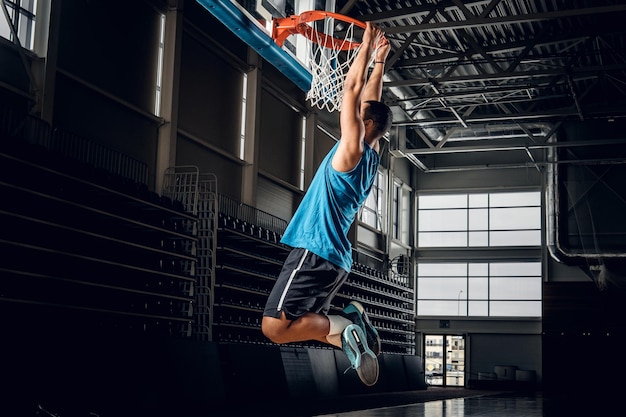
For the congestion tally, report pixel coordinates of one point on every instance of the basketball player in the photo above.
(321, 258)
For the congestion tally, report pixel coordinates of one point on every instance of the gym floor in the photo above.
(437, 402)
(509, 405)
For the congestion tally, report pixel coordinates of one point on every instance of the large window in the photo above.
(401, 209)
(479, 220)
(371, 213)
(475, 228)
(480, 289)
(22, 16)
(159, 78)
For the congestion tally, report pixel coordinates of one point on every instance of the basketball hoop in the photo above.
(330, 54)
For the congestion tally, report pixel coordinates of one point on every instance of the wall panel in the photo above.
(209, 96)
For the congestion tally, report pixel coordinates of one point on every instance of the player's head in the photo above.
(380, 114)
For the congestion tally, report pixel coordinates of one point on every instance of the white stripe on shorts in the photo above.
(293, 274)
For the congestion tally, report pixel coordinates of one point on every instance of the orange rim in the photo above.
(282, 28)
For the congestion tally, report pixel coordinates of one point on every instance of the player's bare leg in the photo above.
(351, 338)
(310, 326)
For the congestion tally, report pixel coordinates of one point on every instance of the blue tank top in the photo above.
(329, 207)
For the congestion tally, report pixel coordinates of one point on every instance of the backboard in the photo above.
(313, 47)
(251, 21)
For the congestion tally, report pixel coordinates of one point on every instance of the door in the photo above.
(445, 360)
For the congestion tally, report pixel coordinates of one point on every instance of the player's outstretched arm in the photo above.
(352, 127)
(374, 87)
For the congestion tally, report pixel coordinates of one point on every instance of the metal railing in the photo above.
(231, 207)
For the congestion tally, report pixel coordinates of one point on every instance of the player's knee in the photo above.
(274, 330)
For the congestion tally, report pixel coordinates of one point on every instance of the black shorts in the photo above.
(307, 283)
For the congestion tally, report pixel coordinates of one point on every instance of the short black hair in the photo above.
(380, 114)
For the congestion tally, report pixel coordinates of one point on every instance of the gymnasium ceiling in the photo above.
(465, 77)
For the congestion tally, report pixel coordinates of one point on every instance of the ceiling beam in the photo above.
(415, 11)
(523, 165)
(513, 147)
(504, 20)
(493, 50)
(544, 116)
(577, 72)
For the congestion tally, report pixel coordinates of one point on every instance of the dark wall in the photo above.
(590, 192)
(210, 92)
(115, 50)
(12, 69)
(106, 79)
(280, 138)
(583, 331)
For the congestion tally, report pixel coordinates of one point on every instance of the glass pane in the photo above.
(395, 212)
(532, 198)
(479, 200)
(515, 218)
(437, 308)
(443, 201)
(455, 361)
(29, 5)
(368, 217)
(433, 352)
(478, 288)
(442, 269)
(440, 288)
(370, 201)
(433, 220)
(515, 269)
(476, 269)
(5, 30)
(478, 219)
(26, 31)
(515, 308)
(515, 288)
(461, 307)
(442, 239)
(478, 308)
(477, 239)
(405, 222)
(515, 238)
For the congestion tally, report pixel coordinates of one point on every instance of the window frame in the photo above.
(18, 16)
(466, 235)
(462, 299)
(378, 192)
(457, 296)
(400, 213)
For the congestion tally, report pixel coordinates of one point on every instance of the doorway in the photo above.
(444, 362)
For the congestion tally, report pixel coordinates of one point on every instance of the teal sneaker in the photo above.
(356, 313)
(361, 357)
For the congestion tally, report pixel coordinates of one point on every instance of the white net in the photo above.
(329, 59)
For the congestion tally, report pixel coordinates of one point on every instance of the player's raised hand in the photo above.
(373, 34)
(382, 49)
